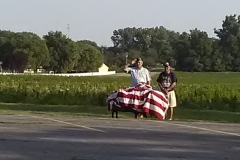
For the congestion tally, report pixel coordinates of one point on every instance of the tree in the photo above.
(89, 58)
(63, 52)
(21, 50)
(229, 41)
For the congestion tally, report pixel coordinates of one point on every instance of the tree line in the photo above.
(186, 51)
(54, 52)
(192, 51)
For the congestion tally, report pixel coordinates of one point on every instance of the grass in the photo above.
(207, 115)
(214, 91)
(96, 111)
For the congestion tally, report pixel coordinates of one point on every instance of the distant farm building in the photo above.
(103, 68)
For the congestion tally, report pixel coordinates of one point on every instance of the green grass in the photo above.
(99, 111)
(199, 95)
(206, 115)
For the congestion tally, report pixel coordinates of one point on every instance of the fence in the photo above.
(66, 74)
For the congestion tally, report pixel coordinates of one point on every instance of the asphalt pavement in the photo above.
(36, 137)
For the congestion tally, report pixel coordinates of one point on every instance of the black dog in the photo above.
(116, 109)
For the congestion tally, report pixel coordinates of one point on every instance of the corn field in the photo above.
(212, 91)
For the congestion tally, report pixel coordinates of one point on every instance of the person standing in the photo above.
(138, 73)
(167, 81)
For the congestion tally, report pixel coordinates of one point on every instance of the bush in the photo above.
(193, 91)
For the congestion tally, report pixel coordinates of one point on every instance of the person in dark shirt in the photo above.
(167, 81)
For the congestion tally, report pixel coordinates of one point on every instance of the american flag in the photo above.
(142, 98)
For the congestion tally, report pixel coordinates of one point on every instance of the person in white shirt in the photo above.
(138, 73)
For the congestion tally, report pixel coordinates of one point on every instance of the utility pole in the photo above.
(68, 30)
(126, 58)
(1, 66)
(102, 55)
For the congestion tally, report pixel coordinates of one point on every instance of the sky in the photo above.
(96, 20)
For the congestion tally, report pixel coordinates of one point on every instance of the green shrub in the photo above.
(212, 91)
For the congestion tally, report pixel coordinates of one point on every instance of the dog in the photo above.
(136, 113)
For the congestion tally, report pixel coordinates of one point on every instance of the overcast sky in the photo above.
(95, 20)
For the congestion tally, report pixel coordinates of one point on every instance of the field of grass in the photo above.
(195, 92)
(211, 91)
(100, 111)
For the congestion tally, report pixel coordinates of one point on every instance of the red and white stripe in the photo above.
(142, 98)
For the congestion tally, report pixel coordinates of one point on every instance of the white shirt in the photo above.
(138, 75)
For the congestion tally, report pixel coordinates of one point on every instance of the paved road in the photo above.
(29, 137)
